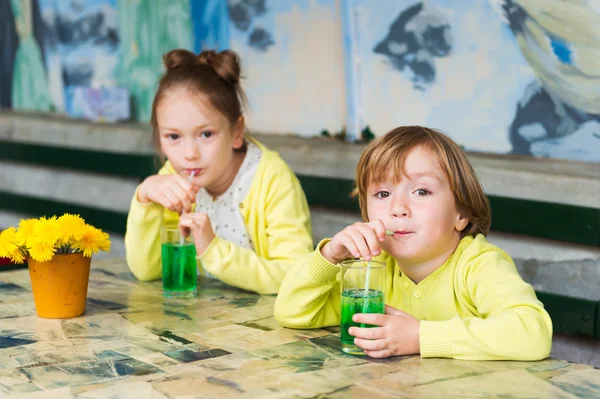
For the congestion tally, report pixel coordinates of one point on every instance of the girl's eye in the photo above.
(422, 192)
(172, 136)
(206, 134)
(382, 194)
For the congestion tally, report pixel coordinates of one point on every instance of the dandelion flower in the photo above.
(8, 241)
(104, 242)
(25, 231)
(91, 241)
(72, 228)
(42, 251)
(46, 231)
(16, 256)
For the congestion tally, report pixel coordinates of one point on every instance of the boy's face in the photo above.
(197, 138)
(420, 210)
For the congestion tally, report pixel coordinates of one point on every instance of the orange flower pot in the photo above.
(60, 285)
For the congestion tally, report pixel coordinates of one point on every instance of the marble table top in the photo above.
(133, 343)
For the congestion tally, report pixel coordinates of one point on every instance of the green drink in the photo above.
(355, 301)
(179, 273)
(362, 288)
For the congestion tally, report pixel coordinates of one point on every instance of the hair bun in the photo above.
(180, 57)
(226, 64)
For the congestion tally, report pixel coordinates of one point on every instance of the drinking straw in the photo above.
(389, 233)
(183, 254)
(366, 292)
(190, 180)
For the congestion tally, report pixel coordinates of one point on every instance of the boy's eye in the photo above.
(206, 134)
(382, 194)
(422, 192)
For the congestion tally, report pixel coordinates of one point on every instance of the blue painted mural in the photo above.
(54, 47)
(415, 38)
(503, 76)
(559, 112)
(500, 76)
(243, 14)
(81, 46)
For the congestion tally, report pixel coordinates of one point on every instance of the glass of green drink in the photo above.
(179, 275)
(362, 286)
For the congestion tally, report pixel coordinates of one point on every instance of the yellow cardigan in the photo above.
(276, 216)
(474, 307)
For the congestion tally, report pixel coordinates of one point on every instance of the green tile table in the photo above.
(132, 343)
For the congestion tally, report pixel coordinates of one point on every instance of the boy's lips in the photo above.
(401, 233)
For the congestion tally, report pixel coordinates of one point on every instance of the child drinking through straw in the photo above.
(449, 292)
(240, 201)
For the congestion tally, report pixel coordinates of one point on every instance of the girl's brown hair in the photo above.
(389, 153)
(214, 75)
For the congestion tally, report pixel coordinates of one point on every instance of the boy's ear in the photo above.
(238, 132)
(461, 223)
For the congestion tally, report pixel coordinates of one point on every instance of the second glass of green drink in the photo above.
(179, 275)
(362, 288)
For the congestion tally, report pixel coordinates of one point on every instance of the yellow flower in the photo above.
(46, 231)
(104, 242)
(25, 231)
(91, 241)
(71, 228)
(16, 256)
(42, 251)
(8, 241)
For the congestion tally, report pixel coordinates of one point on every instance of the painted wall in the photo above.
(293, 59)
(520, 76)
(500, 76)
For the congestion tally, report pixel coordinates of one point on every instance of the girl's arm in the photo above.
(310, 293)
(286, 237)
(142, 237)
(513, 323)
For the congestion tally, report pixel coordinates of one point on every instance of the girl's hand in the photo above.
(171, 191)
(397, 334)
(199, 225)
(360, 240)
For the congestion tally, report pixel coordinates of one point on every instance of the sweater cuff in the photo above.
(211, 254)
(434, 337)
(319, 268)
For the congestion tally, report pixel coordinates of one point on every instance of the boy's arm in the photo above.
(287, 236)
(310, 293)
(513, 323)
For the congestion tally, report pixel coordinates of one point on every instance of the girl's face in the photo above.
(195, 137)
(419, 209)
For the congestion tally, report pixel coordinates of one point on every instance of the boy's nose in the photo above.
(400, 208)
(397, 214)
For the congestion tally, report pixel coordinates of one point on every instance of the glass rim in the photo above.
(375, 264)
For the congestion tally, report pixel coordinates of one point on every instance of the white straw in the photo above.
(368, 278)
(190, 180)
(366, 295)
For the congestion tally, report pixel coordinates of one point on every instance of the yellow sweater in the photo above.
(474, 307)
(276, 216)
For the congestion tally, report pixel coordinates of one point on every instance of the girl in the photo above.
(450, 293)
(243, 205)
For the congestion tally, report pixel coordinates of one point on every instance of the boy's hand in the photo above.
(360, 240)
(199, 225)
(171, 191)
(397, 334)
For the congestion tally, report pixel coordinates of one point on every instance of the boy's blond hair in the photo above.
(388, 153)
